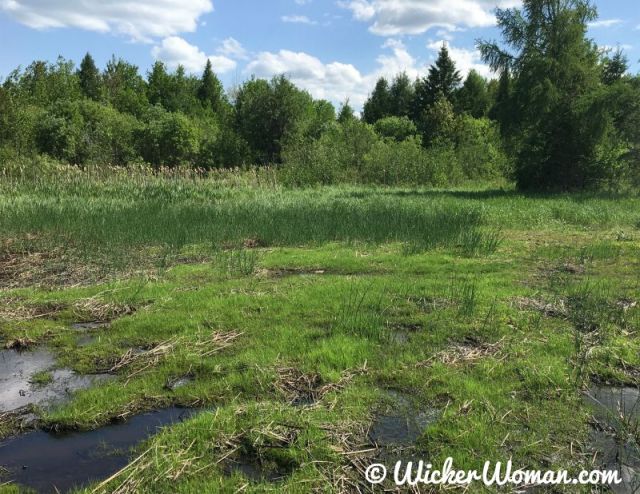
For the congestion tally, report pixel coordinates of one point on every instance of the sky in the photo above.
(336, 49)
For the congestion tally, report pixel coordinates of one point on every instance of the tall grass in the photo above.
(107, 213)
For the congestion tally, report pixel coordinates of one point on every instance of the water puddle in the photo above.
(255, 471)
(18, 389)
(50, 463)
(403, 424)
(179, 382)
(402, 333)
(90, 326)
(617, 412)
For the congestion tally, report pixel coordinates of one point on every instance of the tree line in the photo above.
(561, 114)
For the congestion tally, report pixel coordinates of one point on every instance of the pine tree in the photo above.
(379, 103)
(89, 78)
(210, 92)
(443, 79)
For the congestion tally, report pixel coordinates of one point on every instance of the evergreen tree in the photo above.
(473, 96)
(556, 109)
(159, 85)
(443, 79)
(89, 78)
(502, 108)
(401, 96)
(614, 68)
(210, 91)
(379, 103)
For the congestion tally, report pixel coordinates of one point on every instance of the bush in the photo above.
(406, 162)
(59, 133)
(338, 156)
(397, 128)
(479, 149)
(108, 136)
(168, 139)
(84, 131)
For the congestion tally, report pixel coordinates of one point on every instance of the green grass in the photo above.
(315, 283)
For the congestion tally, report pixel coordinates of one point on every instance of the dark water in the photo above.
(17, 370)
(615, 449)
(403, 424)
(46, 462)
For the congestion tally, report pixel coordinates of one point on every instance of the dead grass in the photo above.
(94, 309)
(20, 344)
(299, 388)
(19, 269)
(558, 309)
(137, 361)
(465, 353)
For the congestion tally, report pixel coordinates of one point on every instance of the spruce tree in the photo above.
(159, 85)
(379, 103)
(443, 79)
(615, 67)
(401, 96)
(210, 91)
(473, 97)
(89, 78)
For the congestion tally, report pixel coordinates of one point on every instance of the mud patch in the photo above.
(263, 454)
(49, 462)
(402, 424)
(614, 436)
(401, 333)
(17, 390)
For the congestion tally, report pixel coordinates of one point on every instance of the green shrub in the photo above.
(168, 139)
(479, 148)
(338, 156)
(406, 162)
(397, 128)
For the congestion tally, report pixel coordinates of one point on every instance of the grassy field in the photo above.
(299, 319)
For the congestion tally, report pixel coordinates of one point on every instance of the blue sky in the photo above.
(334, 48)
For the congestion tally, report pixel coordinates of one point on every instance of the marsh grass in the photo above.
(499, 373)
(465, 293)
(237, 262)
(362, 313)
(476, 242)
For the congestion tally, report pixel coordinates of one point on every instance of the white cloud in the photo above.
(605, 23)
(175, 51)
(142, 20)
(466, 60)
(334, 81)
(233, 49)
(297, 19)
(362, 10)
(400, 17)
